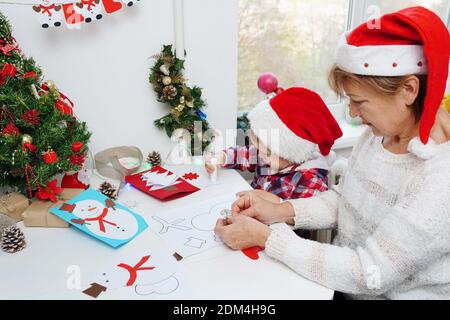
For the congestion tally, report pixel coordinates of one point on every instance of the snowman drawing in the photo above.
(103, 219)
(49, 14)
(148, 274)
(90, 9)
(129, 3)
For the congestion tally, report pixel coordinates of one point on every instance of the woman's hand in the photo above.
(261, 194)
(242, 232)
(265, 211)
(220, 161)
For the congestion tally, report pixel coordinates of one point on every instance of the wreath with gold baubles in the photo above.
(186, 103)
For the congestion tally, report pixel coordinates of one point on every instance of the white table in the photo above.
(42, 270)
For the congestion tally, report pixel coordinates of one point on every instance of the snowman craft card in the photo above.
(161, 184)
(153, 272)
(101, 218)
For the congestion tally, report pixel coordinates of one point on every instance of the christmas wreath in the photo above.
(186, 103)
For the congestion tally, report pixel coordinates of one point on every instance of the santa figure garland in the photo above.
(39, 135)
(53, 13)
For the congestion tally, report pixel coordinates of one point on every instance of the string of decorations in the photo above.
(53, 14)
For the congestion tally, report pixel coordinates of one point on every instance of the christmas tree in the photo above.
(39, 135)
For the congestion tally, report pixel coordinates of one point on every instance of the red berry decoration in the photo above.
(77, 159)
(50, 157)
(31, 117)
(76, 146)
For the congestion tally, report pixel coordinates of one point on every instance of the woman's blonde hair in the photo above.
(383, 85)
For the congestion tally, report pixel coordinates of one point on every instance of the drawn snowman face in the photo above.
(129, 3)
(207, 221)
(117, 277)
(88, 209)
(112, 280)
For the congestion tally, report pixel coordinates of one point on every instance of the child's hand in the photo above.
(209, 165)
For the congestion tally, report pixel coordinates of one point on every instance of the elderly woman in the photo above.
(392, 207)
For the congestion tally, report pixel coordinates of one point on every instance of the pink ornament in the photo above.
(267, 82)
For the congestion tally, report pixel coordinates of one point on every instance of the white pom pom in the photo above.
(423, 151)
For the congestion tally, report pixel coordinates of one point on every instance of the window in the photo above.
(440, 7)
(296, 40)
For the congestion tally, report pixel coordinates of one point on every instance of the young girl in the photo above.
(294, 163)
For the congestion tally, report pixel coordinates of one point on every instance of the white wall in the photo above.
(104, 67)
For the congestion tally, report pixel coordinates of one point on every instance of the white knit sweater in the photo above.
(392, 214)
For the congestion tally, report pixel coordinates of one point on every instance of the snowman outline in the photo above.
(190, 239)
(166, 225)
(103, 285)
(209, 212)
(155, 284)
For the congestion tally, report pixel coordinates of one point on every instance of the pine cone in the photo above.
(31, 117)
(108, 190)
(12, 239)
(170, 92)
(154, 158)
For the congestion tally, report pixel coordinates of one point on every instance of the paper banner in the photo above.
(55, 13)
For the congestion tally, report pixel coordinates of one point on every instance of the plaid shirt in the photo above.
(289, 183)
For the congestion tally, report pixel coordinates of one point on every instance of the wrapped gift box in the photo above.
(38, 215)
(13, 205)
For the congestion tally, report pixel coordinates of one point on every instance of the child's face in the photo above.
(387, 115)
(275, 162)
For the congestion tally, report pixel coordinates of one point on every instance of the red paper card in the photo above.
(161, 184)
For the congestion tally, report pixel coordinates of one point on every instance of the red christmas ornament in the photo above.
(31, 117)
(8, 70)
(76, 146)
(267, 82)
(10, 129)
(63, 104)
(29, 146)
(50, 192)
(30, 74)
(50, 157)
(6, 49)
(77, 159)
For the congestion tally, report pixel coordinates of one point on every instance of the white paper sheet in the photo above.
(190, 230)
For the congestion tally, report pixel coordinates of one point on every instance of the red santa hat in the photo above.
(304, 122)
(410, 41)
